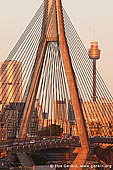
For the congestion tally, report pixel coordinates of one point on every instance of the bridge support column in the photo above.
(81, 158)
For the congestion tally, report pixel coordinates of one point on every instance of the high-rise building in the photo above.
(58, 112)
(59, 115)
(10, 92)
(10, 82)
(0, 88)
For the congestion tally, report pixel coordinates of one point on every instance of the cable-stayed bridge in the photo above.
(46, 90)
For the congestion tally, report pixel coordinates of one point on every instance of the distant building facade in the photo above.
(99, 117)
(10, 82)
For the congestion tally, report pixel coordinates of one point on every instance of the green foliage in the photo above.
(52, 130)
(105, 154)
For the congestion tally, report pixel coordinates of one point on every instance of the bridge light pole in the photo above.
(94, 54)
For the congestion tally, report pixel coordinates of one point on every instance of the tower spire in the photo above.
(94, 34)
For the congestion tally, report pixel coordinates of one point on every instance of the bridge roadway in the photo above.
(33, 144)
(101, 139)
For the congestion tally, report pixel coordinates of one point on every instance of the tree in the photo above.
(52, 130)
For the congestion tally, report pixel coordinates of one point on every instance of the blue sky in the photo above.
(85, 15)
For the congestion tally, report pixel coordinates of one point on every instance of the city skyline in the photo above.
(85, 16)
(55, 110)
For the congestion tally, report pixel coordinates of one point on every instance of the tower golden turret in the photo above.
(94, 54)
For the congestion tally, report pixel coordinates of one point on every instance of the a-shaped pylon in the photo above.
(53, 31)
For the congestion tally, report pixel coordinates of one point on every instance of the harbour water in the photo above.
(45, 167)
(52, 159)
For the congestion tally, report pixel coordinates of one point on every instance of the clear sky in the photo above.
(86, 15)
